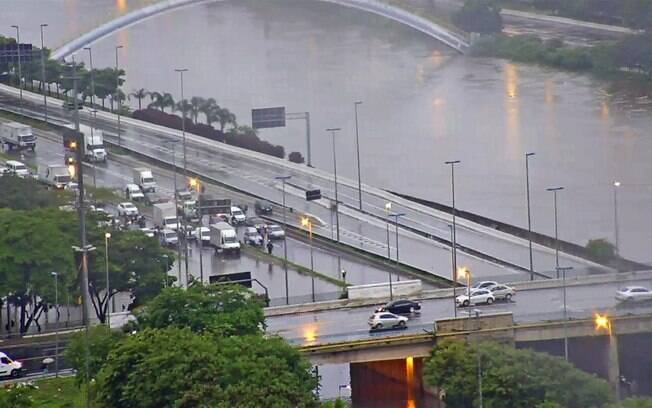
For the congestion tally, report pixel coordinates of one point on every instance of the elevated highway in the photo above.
(428, 27)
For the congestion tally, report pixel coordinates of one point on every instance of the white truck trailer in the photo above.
(224, 238)
(165, 216)
(17, 136)
(144, 178)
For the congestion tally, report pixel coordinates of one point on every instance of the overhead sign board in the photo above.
(242, 278)
(211, 205)
(312, 195)
(268, 117)
(9, 52)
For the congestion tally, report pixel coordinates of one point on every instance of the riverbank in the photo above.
(606, 62)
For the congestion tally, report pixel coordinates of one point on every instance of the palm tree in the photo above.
(184, 107)
(225, 117)
(196, 103)
(208, 108)
(156, 99)
(167, 101)
(139, 94)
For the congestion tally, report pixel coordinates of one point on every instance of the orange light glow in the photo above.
(310, 334)
(409, 374)
(602, 322)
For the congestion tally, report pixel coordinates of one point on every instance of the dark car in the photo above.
(400, 306)
(257, 223)
(263, 207)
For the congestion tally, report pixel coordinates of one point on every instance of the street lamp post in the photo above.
(45, 99)
(337, 201)
(20, 69)
(56, 330)
(285, 247)
(183, 121)
(467, 273)
(529, 217)
(357, 145)
(388, 207)
(107, 236)
(554, 191)
(454, 274)
(563, 270)
(194, 182)
(307, 223)
(452, 163)
(117, 89)
(92, 75)
(616, 229)
(396, 216)
(173, 143)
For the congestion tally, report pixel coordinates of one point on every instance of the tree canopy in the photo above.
(479, 16)
(221, 309)
(511, 378)
(100, 342)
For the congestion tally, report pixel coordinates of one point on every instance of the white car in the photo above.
(477, 296)
(17, 168)
(133, 192)
(127, 209)
(483, 285)
(502, 292)
(9, 367)
(148, 231)
(169, 237)
(633, 294)
(275, 232)
(384, 320)
(237, 216)
(205, 234)
(252, 237)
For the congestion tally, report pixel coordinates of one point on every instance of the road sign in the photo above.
(211, 205)
(242, 278)
(268, 117)
(313, 195)
(9, 52)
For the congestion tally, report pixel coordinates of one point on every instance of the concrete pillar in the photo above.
(614, 365)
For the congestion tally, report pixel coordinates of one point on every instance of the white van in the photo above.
(9, 367)
(17, 168)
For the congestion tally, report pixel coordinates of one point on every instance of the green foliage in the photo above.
(62, 392)
(178, 368)
(511, 378)
(100, 340)
(601, 250)
(27, 194)
(221, 309)
(638, 402)
(479, 16)
(18, 395)
(338, 403)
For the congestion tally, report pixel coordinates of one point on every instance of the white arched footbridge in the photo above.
(446, 36)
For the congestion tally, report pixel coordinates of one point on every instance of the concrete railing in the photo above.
(381, 290)
(428, 27)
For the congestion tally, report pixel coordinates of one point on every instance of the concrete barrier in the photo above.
(381, 290)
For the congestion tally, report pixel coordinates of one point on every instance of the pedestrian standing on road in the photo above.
(270, 246)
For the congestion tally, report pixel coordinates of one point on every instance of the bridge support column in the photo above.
(613, 366)
(383, 381)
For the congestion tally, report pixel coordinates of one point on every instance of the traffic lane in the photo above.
(418, 250)
(527, 306)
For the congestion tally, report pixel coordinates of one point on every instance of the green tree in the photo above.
(17, 395)
(100, 342)
(479, 16)
(137, 264)
(27, 194)
(176, 367)
(184, 107)
(601, 250)
(225, 117)
(222, 309)
(33, 245)
(139, 94)
(209, 108)
(637, 402)
(167, 101)
(511, 378)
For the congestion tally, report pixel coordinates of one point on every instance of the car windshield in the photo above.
(148, 179)
(275, 228)
(229, 240)
(62, 179)
(237, 212)
(20, 167)
(128, 205)
(170, 234)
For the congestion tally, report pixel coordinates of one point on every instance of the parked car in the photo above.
(257, 223)
(148, 231)
(633, 294)
(477, 296)
(384, 320)
(252, 237)
(263, 207)
(127, 209)
(502, 292)
(9, 367)
(400, 306)
(483, 285)
(275, 231)
(133, 192)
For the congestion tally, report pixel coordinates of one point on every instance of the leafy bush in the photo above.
(296, 157)
(601, 250)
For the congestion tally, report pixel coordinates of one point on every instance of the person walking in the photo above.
(270, 246)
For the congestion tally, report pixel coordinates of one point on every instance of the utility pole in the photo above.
(529, 217)
(176, 203)
(20, 69)
(45, 99)
(357, 145)
(285, 247)
(337, 201)
(117, 90)
(304, 116)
